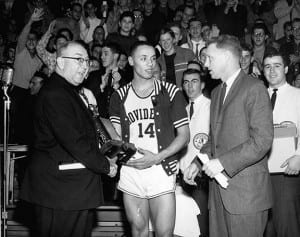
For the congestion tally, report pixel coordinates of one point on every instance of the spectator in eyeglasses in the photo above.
(259, 35)
(138, 22)
(65, 134)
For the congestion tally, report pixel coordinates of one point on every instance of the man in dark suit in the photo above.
(62, 180)
(241, 134)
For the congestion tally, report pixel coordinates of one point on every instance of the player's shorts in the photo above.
(146, 183)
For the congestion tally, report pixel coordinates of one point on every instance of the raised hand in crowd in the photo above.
(37, 15)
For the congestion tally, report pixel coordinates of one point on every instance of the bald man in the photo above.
(63, 179)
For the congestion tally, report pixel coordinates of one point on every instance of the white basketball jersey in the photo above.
(140, 113)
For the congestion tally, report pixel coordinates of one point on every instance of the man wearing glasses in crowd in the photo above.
(63, 178)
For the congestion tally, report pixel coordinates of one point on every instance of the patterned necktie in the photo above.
(191, 109)
(273, 98)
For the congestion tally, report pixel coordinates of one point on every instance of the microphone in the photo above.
(6, 73)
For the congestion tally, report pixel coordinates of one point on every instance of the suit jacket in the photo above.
(64, 133)
(241, 135)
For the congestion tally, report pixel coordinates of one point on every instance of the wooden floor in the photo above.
(111, 222)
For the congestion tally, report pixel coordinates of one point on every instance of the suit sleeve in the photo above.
(260, 127)
(62, 118)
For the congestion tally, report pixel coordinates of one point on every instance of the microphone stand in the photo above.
(3, 174)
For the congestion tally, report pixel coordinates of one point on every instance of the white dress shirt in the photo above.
(199, 123)
(287, 107)
(230, 81)
(200, 43)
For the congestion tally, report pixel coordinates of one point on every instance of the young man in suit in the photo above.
(286, 185)
(240, 136)
(64, 197)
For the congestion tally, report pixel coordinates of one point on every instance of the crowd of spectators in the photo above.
(32, 31)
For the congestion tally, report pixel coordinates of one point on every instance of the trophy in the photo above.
(109, 147)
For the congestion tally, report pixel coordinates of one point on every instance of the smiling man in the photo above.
(151, 114)
(174, 59)
(286, 186)
(64, 194)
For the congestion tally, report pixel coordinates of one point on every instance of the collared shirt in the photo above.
(230, 82)
(200, 43)
(199, 124)
(169, 114)
(287, 107)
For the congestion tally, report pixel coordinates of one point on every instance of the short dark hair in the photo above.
(246, 47)
(166, 30)
(194, 19)
(127, 14)
(192, 71)
(295, 20)
(173, 24)
(190, 7)
(76, 4)
(272, 52)
(228, 42)
(194, 62)
(58, 36)
(114, 47)
(261, 26)
(287, 24)
(60, 32)
(137, 44)
(95, 46)
(89, 2)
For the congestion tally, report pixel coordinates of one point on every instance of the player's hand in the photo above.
(113, 169)
(292, 165)
(213, 167)
(149, 159)
(190, 174)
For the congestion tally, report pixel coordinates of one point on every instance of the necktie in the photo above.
(222, 96)
(191, 109)
(273, 97)
(197, 51)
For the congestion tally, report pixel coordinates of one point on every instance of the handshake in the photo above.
(122, 150)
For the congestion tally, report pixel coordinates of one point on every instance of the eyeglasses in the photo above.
(80, 60)
(260, 35)
(138, 16)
